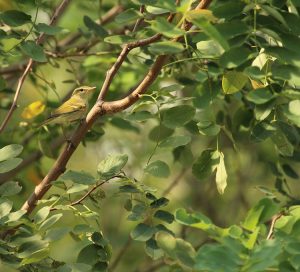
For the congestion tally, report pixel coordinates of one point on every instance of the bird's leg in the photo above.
(68, 140)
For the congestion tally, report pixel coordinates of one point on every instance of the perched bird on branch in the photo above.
(73, 109)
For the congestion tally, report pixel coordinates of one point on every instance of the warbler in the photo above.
(73, 109)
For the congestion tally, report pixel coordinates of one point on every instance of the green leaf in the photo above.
(167, 47)
(79, 177)
(14, 217)
(178, 116)
(139, 116)
(36, 256)
(50, 221)
(158, 203)
(167, 243)
(289, 171)
(88, 255)
(233, 28)
(228, 10)
(34, 51)
(28, 249)
(56, 234)
(93, 26)
(262, 131)
(128, 188)
(196, 220)
(142, 232)
(208, 128)
(127, 16)
(210, 30)
(287, 72)
(158, 169)
(234, 57)
(118, 39)
(283, 145)
(10, 151)
(177, 249)
(206, 164)
(233, 82)
(48, 29)
(175, 141)
(9, 165)
(15, 18)
(294, 107)
(10, 188)
(275, 14)
(152, 250)
(164, 216)
(159, 133)
(111, 166)
(260, 213)
(77, 187)
(41, 214)
(260, 96)
(161, 25)
(263, 256)
(5, 207)
(185, 253)
(210, 49)
(221, 175)
(208, 254)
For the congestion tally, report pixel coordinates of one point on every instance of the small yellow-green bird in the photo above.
(73, 109)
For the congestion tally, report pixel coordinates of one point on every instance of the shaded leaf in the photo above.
(206, 164)
(34, 51)
(10, 151)
(111, 166)
(15, 18)
(142, 232)
(233, 82)
(158, 169)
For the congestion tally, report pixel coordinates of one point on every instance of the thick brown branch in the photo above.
(99, 109)
(56, 15)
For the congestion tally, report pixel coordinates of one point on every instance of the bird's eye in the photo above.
(82, 90)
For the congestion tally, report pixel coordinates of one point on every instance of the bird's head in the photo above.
(83, 91)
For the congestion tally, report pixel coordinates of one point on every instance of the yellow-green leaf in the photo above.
(233, 82)
(221, 175)
(33, 109)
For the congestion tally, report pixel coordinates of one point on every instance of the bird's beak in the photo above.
(91, 89)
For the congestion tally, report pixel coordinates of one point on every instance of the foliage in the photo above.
(211, 94)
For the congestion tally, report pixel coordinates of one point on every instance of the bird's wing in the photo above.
(69, 107)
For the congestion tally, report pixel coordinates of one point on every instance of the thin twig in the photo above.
(273, 221)
(56, 15)
(80, 200)
(139, 20)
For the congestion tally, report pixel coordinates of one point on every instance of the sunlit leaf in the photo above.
(33, 110)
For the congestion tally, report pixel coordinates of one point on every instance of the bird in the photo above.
(73, 109)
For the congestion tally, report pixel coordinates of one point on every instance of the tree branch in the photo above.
(273, 221)
(55, 17)
(100, 108)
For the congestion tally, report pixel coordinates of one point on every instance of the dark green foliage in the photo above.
(224, 106)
